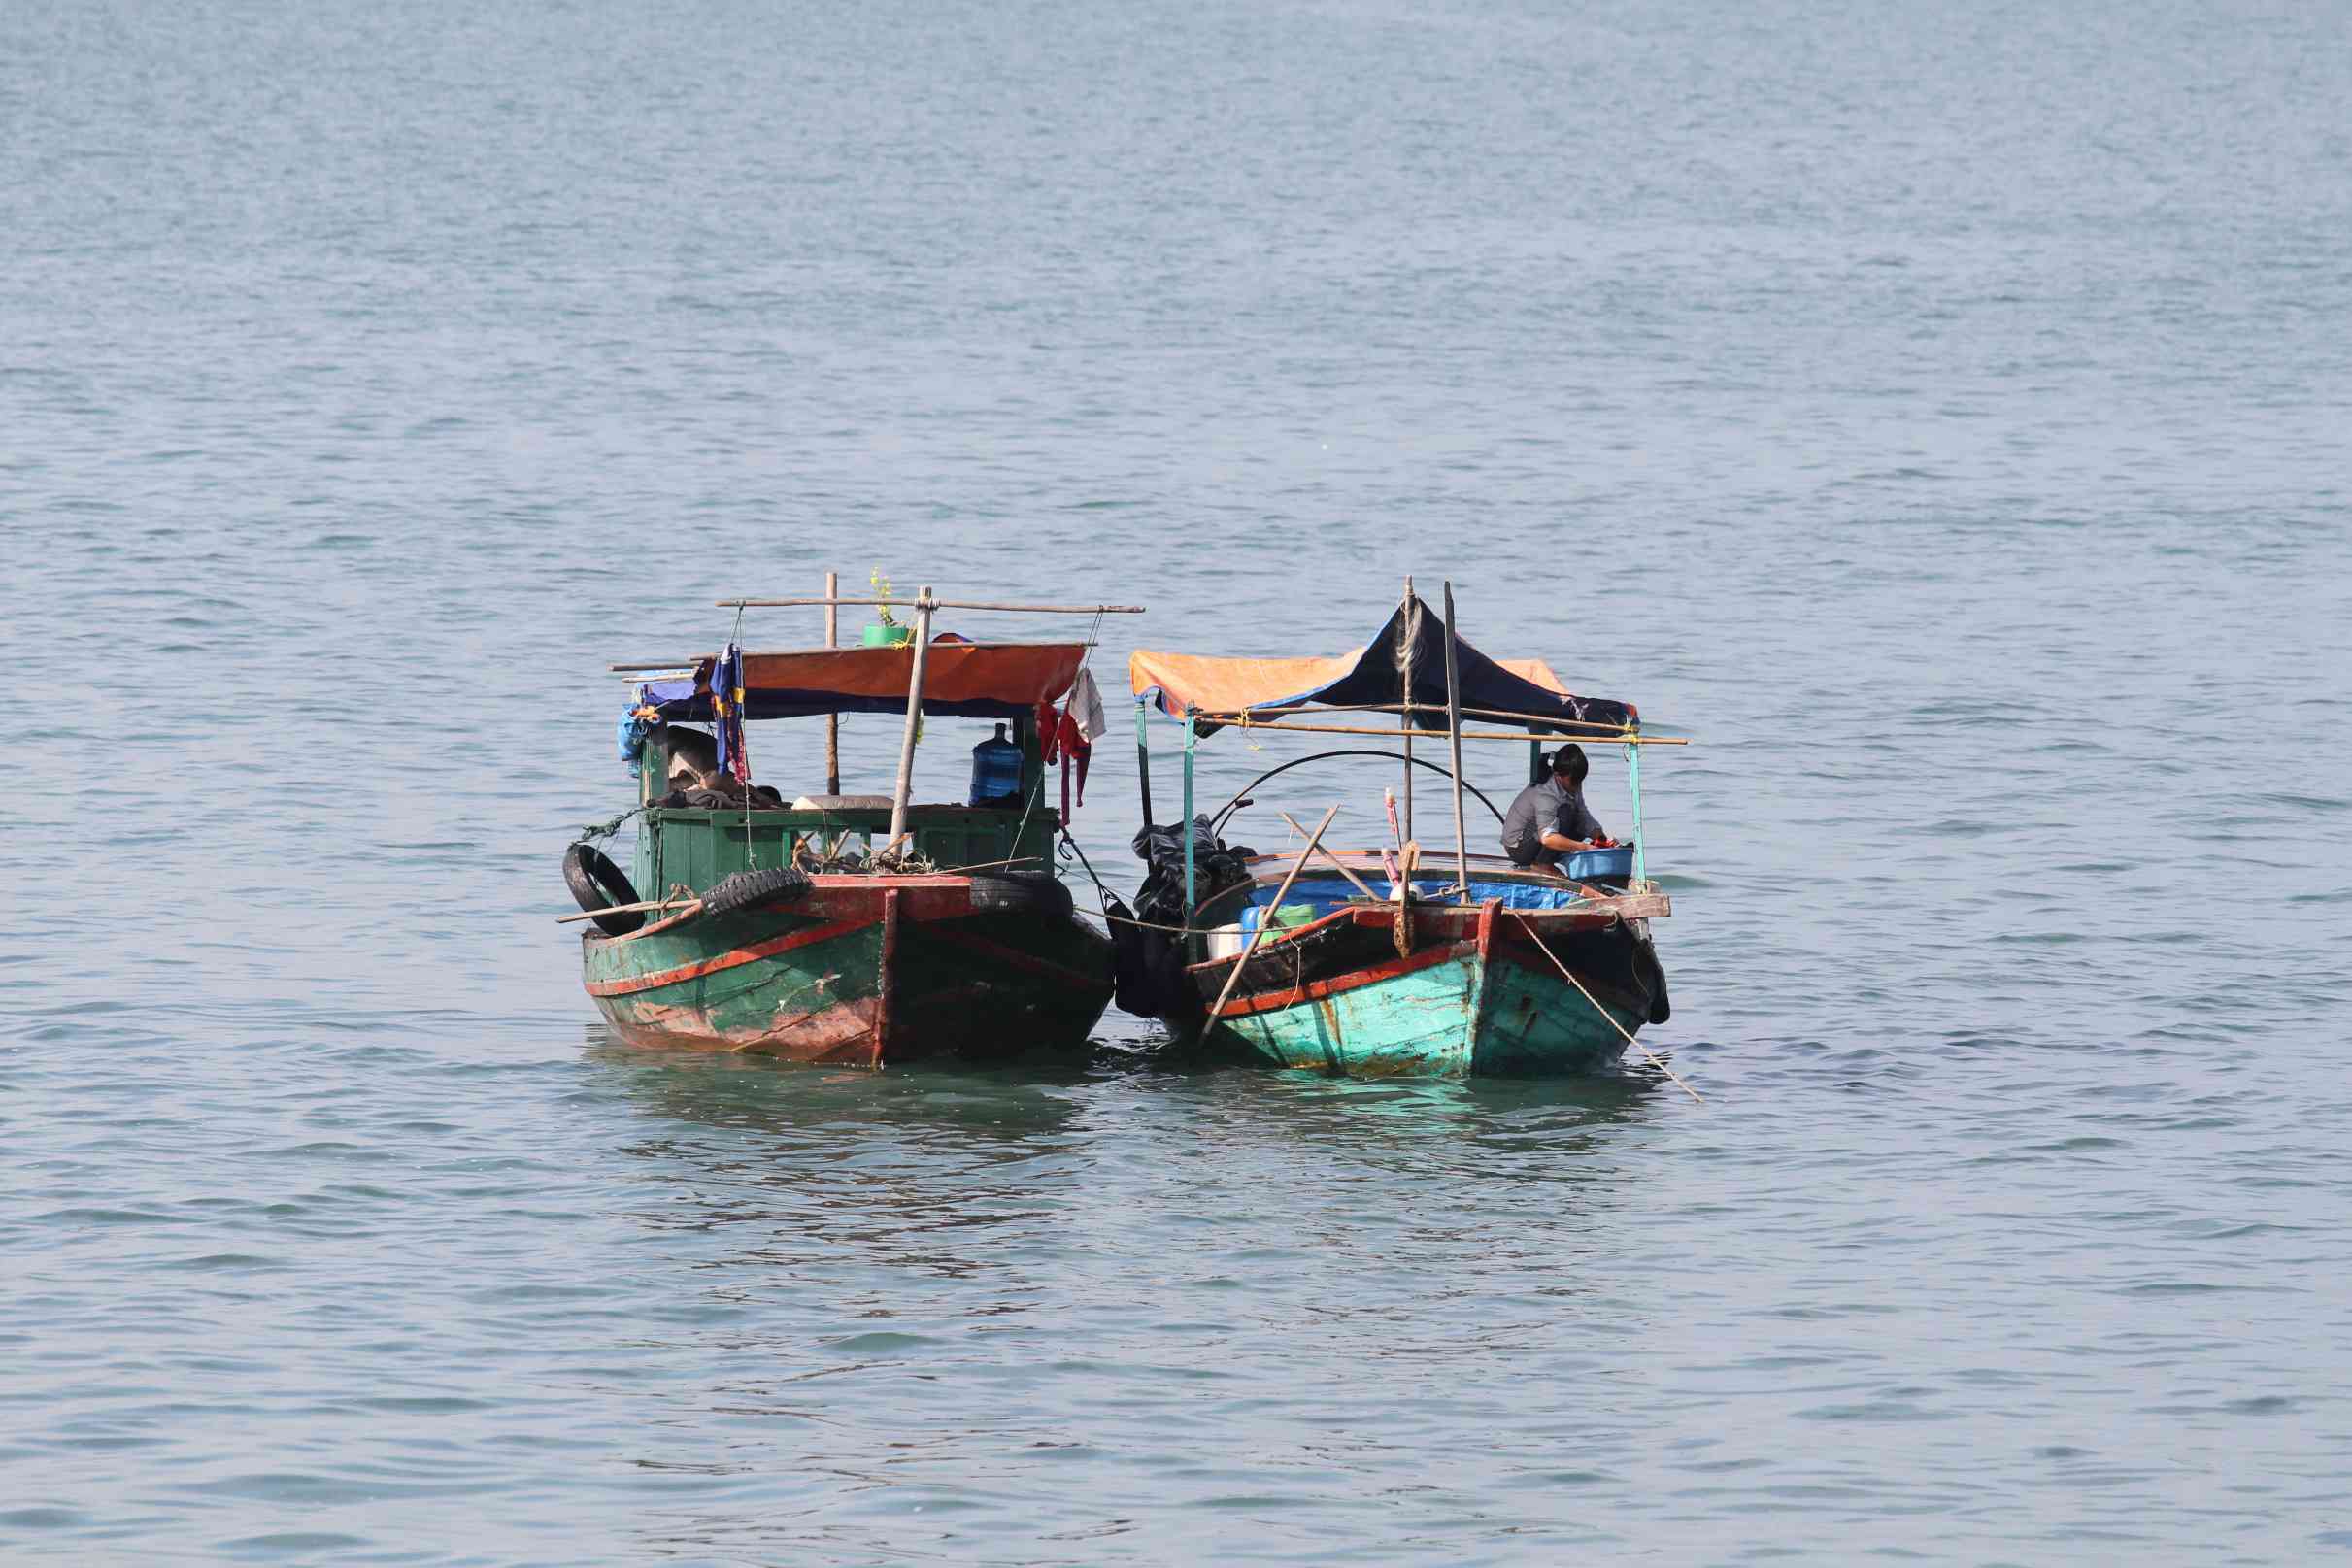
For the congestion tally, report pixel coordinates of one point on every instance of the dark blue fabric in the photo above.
(726, 679)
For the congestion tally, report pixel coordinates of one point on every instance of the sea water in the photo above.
(1939, 416)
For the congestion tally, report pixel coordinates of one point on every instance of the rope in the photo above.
(1147, 925)
(595, 831)
(1069, 847)
(1602, 1011)
(1103, 897)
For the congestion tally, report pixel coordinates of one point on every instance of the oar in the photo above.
(1258, 935)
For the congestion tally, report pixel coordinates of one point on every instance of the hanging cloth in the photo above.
(1085, 707)
(1075, 748)
(726, 712)
(1063, 737)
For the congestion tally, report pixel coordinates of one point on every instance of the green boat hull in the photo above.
(865, 971)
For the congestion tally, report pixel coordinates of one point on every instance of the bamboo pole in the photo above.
(1143, 764)
(630, 908)
(941, 604)
(1641, 872)
(1404, 715)
(1191, 741)
(1610, 1017)
(833, 721)
(1461, 827)
(1337, 864)
(905, 788)
(1601, 731)
(1614, 737)
(1243, 962)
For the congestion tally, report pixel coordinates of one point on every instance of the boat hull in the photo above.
(864, 972)
(1482, 992)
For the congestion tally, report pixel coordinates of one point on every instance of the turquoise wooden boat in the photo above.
(1533, 976)
(1449, 964)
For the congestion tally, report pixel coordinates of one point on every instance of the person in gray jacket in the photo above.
(1549, 821)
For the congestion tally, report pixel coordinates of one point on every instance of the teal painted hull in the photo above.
(1460, 1016)
(1452, 991)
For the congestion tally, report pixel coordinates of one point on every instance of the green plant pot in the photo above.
(888, 636)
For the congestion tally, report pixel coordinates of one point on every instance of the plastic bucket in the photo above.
(1602, 865)
(879, 636)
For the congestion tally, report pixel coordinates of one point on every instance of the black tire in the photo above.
(1653, 974)
(750, 889)
(1035, 893)
(597, 884)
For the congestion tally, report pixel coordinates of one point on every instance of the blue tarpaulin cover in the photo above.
(1326, 894)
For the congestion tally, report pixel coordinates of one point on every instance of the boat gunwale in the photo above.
(1380, 911)
(820, 881)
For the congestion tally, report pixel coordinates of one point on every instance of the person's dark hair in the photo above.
(1570, 763)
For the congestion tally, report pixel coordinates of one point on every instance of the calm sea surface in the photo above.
(1943, 417)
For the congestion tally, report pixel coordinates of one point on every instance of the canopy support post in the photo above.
(1143, 763)
(1409, 630)
(914, 717)
(833, 721)
(1461, 831)
(1190, 739)
(1641, 875)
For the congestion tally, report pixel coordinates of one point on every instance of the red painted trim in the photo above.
(1354, 980)
(885, 994)
(700, 967)
(1486, 926)
(1017, 959)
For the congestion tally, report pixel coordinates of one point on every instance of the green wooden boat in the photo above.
(856, 931)
(1447, 964)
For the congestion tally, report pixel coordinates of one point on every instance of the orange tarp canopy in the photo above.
(963, 680)
(1192, 682)
(1206, 690)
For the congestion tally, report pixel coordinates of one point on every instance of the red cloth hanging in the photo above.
(1060, 740)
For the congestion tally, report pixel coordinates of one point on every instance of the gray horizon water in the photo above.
(1939, 417)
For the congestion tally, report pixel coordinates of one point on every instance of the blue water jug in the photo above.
(996, 772)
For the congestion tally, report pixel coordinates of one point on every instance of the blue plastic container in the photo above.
(995, 772)
(1602, 865)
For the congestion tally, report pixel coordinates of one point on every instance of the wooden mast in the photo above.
(1461, 831)
(1406, 631)
(914, 715)
(833, 721)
